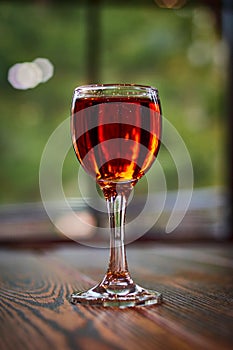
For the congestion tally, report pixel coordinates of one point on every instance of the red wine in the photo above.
(116, 139)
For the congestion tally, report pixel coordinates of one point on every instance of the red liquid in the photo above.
(117, 138)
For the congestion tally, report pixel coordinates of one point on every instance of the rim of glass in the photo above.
(115, 90)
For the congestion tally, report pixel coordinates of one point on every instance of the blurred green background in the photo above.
(180, 51)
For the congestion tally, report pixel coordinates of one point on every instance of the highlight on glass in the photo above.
(116, 131)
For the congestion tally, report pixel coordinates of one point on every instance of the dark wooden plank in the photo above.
(197, 284)
(35, 311)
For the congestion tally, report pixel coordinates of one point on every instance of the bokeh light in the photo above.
(170, 4)
(28, 75)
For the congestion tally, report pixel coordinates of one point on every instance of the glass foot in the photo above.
(100, 296)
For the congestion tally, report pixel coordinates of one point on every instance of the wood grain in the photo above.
(196, 283)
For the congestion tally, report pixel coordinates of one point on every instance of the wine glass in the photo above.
(116, 132)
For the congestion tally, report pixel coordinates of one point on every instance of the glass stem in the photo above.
(116, 211)
(117, 280)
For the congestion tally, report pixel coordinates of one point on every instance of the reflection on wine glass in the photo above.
(116, 133)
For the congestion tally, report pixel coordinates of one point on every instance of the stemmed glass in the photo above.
(116, 137)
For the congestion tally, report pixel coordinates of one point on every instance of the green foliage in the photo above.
(140, 45)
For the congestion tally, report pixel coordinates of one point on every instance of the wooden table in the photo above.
(196, 282)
